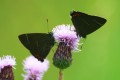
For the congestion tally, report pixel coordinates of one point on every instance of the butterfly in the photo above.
(39, 44)
(86, 24)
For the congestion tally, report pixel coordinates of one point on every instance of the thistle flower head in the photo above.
(34, 69)
(6, 64)
(68, 41)
(7, 61)
(67, 34)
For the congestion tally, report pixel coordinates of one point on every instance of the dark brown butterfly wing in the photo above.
(39, 44)
(86, 24)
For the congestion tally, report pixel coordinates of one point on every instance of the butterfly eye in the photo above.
(75, 15)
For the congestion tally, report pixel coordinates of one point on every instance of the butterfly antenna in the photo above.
(47, 25)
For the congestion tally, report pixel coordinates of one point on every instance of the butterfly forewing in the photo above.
(86, 24)
(39, 44)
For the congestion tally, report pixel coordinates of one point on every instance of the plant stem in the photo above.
(60, 75)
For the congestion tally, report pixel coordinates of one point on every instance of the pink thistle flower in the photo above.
(67, 34)
(6, 65)
(68, 41)
(34, 69)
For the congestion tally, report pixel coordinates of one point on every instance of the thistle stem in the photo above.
(60, 74)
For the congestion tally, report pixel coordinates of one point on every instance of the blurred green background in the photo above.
(100, 56)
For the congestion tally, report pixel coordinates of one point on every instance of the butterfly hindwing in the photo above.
(39, 44)
(86, 24)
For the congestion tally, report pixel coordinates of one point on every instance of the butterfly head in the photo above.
(74, 13)
(38, 57)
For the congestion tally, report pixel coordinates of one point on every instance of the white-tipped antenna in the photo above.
(47, 25)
